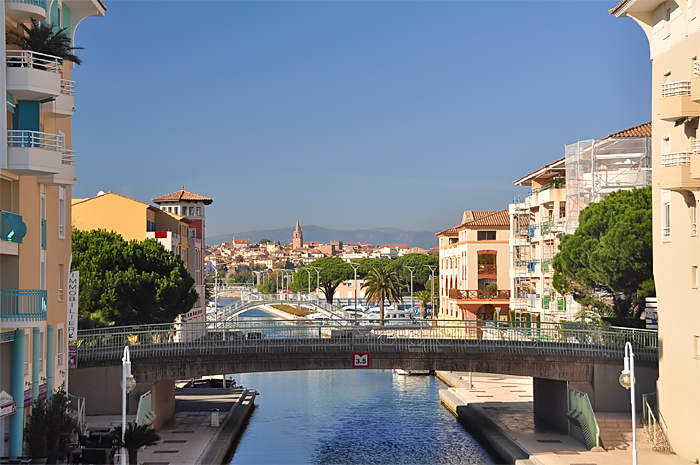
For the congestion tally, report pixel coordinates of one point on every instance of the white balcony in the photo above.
(66, 177)
(63, 106)
(675, 173)
(33, 153)
(22, 11)
(33, 75)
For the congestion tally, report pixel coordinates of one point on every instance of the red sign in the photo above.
(28, 398)
(43, 388)
(360, 359)
(8, 409)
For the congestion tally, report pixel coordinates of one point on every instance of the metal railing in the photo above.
(487, 269)
(31, 59)
(653, 426)
(675, 159)
(35, 139)
(479, 294)
(696, 68)
(67, 87)
(23, 304)
(39, 3)
(79, 410)
(581, 412)
(671, 89)
(68, 157)
(304, 335)
(696, 145)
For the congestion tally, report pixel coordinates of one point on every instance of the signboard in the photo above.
(72, 356)
(42, 391)
(7, 336)
(28, 398)
(652, 316)
(360, 360)
(8, 409)
(73, 305)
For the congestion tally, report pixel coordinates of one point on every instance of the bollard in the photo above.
(215, 417)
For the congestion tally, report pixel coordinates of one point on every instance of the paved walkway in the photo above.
(187, 435)
(507, 401)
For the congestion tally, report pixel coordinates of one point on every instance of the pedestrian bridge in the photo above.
(251, 300)
(556, 351)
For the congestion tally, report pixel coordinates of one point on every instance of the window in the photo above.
(666, 233)
(26, 354)
(199, 211)
(191, 211)
(693, 210)
(184, 256)
(193, 232)
(62, 212)
(60, 282)
(694, 277)
(667, 31)
(41, 351)
(59, 347)
(486, 236)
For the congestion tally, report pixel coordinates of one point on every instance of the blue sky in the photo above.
(351, 114)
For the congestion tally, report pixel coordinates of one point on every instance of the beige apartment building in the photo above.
(475, 259)
(37, 171)
(671, 28)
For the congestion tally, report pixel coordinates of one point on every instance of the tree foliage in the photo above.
(382, 283)
(43, 38)
(421, 273)
(607, 263)
(128, 283)
(136, 436)
(332, 272)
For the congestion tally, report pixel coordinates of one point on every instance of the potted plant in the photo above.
(35, 433)
(135, 437)
(42, 38)
(60, 424)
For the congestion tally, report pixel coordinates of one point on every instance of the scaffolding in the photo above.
(596, 168)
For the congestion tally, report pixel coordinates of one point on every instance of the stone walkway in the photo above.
(507, 401)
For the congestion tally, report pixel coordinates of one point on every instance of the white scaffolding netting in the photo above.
(596, 168)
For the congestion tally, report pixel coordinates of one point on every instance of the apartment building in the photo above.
(474, 267)
(138, 221)
(192, 207)
(37, 171)
(671, 28)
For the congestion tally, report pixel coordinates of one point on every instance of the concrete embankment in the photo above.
(498, 411)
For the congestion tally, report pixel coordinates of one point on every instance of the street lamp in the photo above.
(128, 384)
(432, 288)
(309, 272)
(354, 286)
(318, 276)
(627, 381)
(411, 268)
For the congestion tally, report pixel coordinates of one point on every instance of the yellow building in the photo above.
(474, 258)
(37, 171)
(671, 28)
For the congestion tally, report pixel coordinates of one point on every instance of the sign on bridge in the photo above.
(360, 360)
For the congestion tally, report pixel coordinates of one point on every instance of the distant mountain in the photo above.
(378, 236)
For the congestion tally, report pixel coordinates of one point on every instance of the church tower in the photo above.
(298, 240)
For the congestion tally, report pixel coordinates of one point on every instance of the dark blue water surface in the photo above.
(352, 417)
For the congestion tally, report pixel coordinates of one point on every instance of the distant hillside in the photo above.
(378, 236)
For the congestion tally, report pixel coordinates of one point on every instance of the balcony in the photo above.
(66, 177)
(23, 305)
(33, 75)
(63, 106)
(675, 171)
(695, 82)
(676, 101)
(22, 11)
(33, 153)
(487, 269)
(479, 294)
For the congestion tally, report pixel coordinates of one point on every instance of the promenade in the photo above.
(502, 407)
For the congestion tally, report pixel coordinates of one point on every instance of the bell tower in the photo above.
(298, 240)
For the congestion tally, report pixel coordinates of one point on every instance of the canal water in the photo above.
(351, 417)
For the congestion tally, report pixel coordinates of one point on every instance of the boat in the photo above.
(399, 371)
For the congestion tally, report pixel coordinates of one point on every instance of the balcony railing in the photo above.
(12, 228)
(479, 294)
(68, 157)
(36, 60)
(35, 139)
(675, 159)
(67, 87)
(23, 304)
(671, 89)
(487, 269)
(696, 68)
(40, 3)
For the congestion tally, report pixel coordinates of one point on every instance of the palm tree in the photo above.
(43, 38)
(136, 436)
(424, 298)
(382, 283)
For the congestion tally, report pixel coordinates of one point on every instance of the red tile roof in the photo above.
(619, 5)
(182, 196)
(641, 130)
(500, 218)
(448, 232)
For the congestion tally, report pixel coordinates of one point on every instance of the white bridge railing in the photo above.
(394, 335)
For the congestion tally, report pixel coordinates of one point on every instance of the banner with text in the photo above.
(73, 305)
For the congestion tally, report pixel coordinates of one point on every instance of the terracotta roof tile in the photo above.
(448, 232)
(500, 218)
(619, 5)
(641, 130)
(183, 195)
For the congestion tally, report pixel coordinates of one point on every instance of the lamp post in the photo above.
(411, 269)
(432, 288)
(309, 272)
(627, 381)
(354, 286)
(128, 385)
(318, 276)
